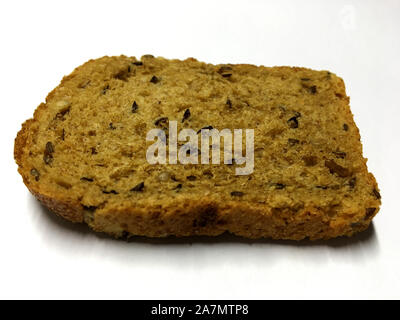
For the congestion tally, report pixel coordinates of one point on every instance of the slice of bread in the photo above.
(83, 155)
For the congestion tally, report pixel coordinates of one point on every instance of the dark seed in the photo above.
(93, 150)
(134, 107)
(154, 79)
(279, 186)
(186, 115)
(178, 187)
(339, 154)
(48, 153)
(122, 75)
(63, 135)
(111, 126)
(208, 174)
(237, 194)
(229, 103)
(208, 127)
(161, 122)
(36, 174)
(110, 192)
(352, 182)
(60, 115)
(137, 63)
(87, 179)
(313, 89)
(369, 212)
(293, 142)
(345, 127)
(191, 178)
(89, 208)
(338, 169)
(322, 187)
(192, 151)
(376, 194)
(104, 91)
(293, 123)
(138, 188)
(49, 147)
(225, 71)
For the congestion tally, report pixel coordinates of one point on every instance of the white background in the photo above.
(42, 256)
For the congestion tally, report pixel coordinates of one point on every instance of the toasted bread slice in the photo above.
(83, 155)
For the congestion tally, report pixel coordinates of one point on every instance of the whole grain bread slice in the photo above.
(83, 155)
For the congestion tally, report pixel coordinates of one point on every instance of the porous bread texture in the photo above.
(83, 155)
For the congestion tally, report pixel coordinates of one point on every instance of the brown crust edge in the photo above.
(64, 209)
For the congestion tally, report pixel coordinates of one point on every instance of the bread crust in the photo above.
(204, 216)
(66, 209)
